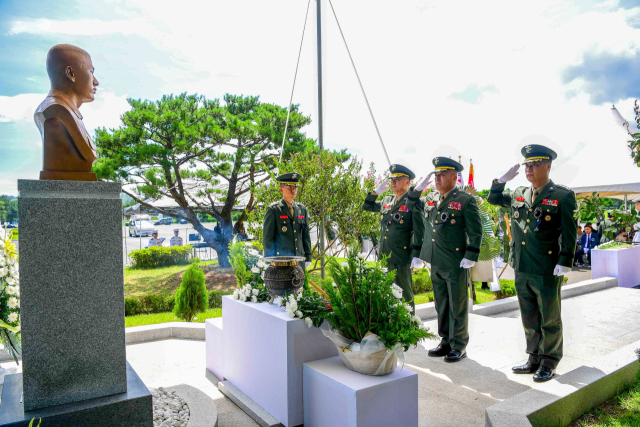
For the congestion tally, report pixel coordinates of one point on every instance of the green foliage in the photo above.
(329, 185)
(215, 298)
(363, 300)
(8, 209)
(508, 289)
(160, 256)
(246, 263)
(153, 303)
(422, 282)
(615, 245)
(594, 206)
(191, 296)
(634, 143)
(491, 245)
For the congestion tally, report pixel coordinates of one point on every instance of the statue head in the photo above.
(71, 71)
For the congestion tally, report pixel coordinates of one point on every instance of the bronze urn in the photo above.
(284, 275)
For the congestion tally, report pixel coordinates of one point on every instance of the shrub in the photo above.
(191, 296)
(508, 290)
(160, 256)
(422, 282)
(215, 298)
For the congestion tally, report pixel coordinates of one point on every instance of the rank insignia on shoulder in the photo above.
(283, 217)
(549, 202)
(455, 206)
(386, 206)
(516, 214)
(520, 199)
(284, 229)
(430, 204)
(403, 208)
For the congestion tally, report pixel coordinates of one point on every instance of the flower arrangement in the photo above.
(249, 269)
(9, 298)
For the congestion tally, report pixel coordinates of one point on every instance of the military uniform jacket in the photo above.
(538, 252)
(453, 229)
(154, 242)
(401, 226)
(175, 241)
(286, 236)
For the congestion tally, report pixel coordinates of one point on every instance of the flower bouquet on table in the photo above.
(369, 322)
(9, 297)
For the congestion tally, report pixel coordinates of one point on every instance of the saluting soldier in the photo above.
(401, 226)
(543, 232)
(285, 231)
(176, 240)
(453, 233)
(154, 241)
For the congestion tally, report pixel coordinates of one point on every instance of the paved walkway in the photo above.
(449, 394)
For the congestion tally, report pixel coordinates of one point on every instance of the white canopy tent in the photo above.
(624, 192)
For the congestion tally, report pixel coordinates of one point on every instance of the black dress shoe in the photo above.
(455, 356)
(544, 374)
(440, 350)
(527, 368)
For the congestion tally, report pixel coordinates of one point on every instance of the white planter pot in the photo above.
(623, 264)
(482, 271)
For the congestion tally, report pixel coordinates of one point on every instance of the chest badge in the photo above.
(444, 216)
(397, 217)
(549, 202)
(403, 208)
(516, 214)
(455, 206)
(537, 214)
(547, 218)
(453, 221)
(284, 229)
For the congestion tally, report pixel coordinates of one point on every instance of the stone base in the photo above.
(130, 409)
(68, 176)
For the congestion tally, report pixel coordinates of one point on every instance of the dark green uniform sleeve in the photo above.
(473, 224)
(306, 238)
(413, 198)
(370, 203)
(497, 196)
(268, 233)
(417, 218)
(569, 230)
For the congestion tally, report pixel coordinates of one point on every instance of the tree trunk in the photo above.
(219, 242)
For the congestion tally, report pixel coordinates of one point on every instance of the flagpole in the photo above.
(320, 129)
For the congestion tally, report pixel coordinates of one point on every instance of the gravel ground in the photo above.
(169, 409)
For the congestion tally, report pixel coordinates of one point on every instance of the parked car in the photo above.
(139, 225)
(164, 221)
(12, 225)
(183, 221)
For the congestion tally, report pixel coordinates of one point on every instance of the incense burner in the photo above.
(284, 275)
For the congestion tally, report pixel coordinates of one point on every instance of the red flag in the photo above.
(471, 175)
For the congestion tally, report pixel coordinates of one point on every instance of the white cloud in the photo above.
(20, 107)
(84, 27)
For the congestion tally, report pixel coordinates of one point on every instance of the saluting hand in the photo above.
(424, 184)
(384, 185)
(511, 173)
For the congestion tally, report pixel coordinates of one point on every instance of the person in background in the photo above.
(176, 240)
(587, 242)
(154, 241)
(579, 232)
(241, 236)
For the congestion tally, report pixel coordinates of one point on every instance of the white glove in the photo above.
(561, 270)
(465, 263)
(307, 264)
(586, 250)
(511, 173)
(417, 263)
(384, 185)
(424, 184)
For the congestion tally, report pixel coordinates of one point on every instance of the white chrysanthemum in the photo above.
(1, 244)
(261, 264)
(243, 297)
(18, 291)
(3, 272)
(12, 318)
(334, 285)
(253, 252)
(408, 307)
(385, 270)
(236, 294)
(10, 281)
(291, 313)
(254, 299)
(299, 296)
(308, 322)
(13, 302)
(345, 264)
(280, 302)
(293, 306)
(255, 270)
(10, 290)
(362, 255)
(416, 320)
(397, 291)
(255, 291)
(299, 314)
(2, 262)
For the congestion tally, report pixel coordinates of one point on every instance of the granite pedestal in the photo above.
(72, 295)
(264, 350)
(335, 396)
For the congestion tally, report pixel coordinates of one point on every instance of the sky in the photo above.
(473, 79)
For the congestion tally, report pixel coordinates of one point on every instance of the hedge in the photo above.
(160, 256)
(162, 304)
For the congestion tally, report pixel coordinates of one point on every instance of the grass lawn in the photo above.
(152, 319)
(482, 295)
(139, 282)
(621, 411)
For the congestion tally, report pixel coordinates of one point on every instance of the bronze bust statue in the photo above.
(68, 151)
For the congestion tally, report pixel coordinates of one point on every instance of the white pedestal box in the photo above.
(214, 346)
(335, 396)
(264, 350)
(623, 264)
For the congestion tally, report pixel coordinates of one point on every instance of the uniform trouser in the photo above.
(405, 281)
(450, 290)
(539, 298)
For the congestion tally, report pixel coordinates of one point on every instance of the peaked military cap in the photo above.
(447, 164)
(537, 153)
(399, 170)
(176, 229)
(292, 179)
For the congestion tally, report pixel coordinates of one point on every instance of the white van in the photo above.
(140, 225)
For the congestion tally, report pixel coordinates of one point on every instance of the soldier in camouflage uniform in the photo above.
(543, 231)
(453, 233)
(401, 225)
(285, 231)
